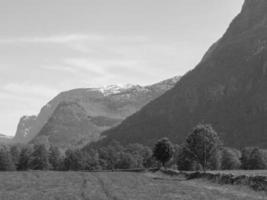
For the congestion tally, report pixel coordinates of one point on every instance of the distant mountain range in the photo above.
(76, 117)
(227, 89)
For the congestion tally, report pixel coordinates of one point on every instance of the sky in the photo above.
(55, 45)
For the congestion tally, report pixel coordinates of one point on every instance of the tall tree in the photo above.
(203, 144)
(39, 158)
(163, 151)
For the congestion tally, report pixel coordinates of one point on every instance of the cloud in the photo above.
(56, 39)
(31, 90)
(70, 38)
(59, 68)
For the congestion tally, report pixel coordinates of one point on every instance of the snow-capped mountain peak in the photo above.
(114, 89)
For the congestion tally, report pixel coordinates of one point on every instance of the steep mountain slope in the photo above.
(87, 112)
(227, 89)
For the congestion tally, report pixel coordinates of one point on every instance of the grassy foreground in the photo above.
(39, 185)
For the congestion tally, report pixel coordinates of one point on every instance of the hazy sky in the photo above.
(47, 46)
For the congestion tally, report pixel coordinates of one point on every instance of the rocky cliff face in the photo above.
(227, 89)
(85, 113)
(25, 128)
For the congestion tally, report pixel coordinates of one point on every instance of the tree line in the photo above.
(202, 150)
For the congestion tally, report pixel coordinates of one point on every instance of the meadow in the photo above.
(45, 185)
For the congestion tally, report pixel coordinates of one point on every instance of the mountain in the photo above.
(227, 89)
(80, 115)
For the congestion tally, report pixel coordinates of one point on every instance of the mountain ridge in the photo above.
(227, 89)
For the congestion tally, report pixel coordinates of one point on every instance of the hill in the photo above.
(226, 89)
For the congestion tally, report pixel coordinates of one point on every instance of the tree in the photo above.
(39, 158)
(126, 161)
(74, 160)
(55, 158)
(245, 156)
(230, 159)
(141, 154)
(110, 154)
(185, 161)
(256, 160)
(24, 158)
(91, 159)
(6, 162)
(15, 154)
(163, 151)
(203, 144)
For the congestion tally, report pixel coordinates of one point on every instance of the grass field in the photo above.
(39, 185)
(243, 172)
